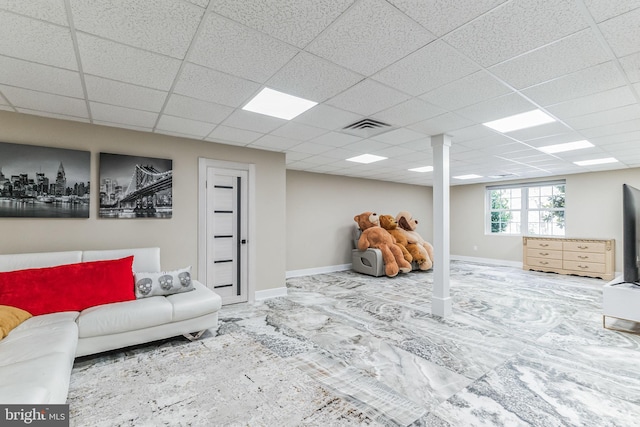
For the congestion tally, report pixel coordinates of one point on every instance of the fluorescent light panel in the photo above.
(366, 158)
(596, 161)
(569, 146)
(520, 121)
(470, 176)
(422, 169)
(278, 104)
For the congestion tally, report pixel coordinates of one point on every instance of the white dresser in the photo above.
(583, 257)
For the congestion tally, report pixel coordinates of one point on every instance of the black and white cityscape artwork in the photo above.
(135, 187)
(44, 182)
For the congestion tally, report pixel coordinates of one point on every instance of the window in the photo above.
(534, 208)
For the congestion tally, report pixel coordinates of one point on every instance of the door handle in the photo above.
(243, 241)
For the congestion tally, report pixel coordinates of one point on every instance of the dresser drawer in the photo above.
(584, 246)
(544, 244)
(585, 267)
(544, 263)
(544, 253)
(584, 257)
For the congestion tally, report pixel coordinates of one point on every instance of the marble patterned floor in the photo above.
(521, 349)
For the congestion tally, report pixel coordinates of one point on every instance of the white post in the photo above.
(441, 301)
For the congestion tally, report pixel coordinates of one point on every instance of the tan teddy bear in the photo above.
(374, 236)
(389, 223)
(409, 224)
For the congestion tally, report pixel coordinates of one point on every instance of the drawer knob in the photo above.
(583, 266)
(544, 245)
(544, 253)
(583, 247)
(544, 262)
(583, 256)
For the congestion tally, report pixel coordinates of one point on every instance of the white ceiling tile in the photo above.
(421, 151)
(400, 136)
(391, 152)
(472, 133)
(367, 97)
(210, 85)
(492, 140)
(555, 139)
(274, 143)
(127, 116)
(37, 41)
(602, 10)
(296, 22)
(575, 85)
(631, 65)
(178, 134)
(167, 27)
(229, 134)
(541, 131)
(310, 148)
(474, 88)
(442, 16)
(313, 78)
(570, 54)
(327, 117)
(184, 126)
(428, 68)
(195, 109)
(53, 115)
(232, 48)
(253, 121)
(115, 61)
(46, 10)
(615, 115)
(32, 100)
(620, 127)
(40, 77)
(615, 138)
(122, 126)
(201, 3)
(623, 33)
(339, 153)
(335, 139)
(516, 27)
(601, 101)
(366, 146)
(298, 131)
(441, 124)
(124, 94)
(294, 157)
(497, 108)
(411, 111)
(369, 36)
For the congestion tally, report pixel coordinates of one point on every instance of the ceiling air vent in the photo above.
(367, 128)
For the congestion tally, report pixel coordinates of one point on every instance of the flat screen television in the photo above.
(630, 234)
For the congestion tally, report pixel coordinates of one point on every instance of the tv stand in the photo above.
(620, 300)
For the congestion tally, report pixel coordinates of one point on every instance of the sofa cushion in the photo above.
(70, 287)
(194, 304)
(163, 283)
(12, 262)
(144, 259)
(10, 318)
(47, 319)
(124, 316)
(25, 344)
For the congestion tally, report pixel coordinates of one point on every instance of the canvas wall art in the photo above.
(44, 182)
(135, 187)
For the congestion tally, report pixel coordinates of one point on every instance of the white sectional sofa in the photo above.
(36, 358)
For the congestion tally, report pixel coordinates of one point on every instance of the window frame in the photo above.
(524, 206)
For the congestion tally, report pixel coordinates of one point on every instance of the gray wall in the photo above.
(321, 207)
(593, 209)
(177, 237)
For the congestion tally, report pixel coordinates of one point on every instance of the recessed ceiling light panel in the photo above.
(596, 161)
(422, 169)
(470, 176)
(520, 121)
(569, 146)
(366, 158)
(278, 104)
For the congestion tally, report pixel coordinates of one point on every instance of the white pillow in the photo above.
(163, 283)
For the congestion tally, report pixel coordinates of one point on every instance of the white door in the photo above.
(226, 233)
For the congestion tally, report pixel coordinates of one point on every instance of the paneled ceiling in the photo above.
(424, 67)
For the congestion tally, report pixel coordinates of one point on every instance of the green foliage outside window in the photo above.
(500, 217)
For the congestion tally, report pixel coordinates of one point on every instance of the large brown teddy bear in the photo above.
(409, 224)
(389, 223)
(374, 236)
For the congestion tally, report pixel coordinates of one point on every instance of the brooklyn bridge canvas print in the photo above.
(44, 182)
(135, 187)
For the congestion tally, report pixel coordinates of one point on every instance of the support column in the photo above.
(441, 301)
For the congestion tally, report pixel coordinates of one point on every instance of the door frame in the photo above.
(203, 165)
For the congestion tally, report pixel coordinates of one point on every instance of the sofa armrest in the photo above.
(368, 262)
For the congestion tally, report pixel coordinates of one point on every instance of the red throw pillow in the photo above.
(69, 287)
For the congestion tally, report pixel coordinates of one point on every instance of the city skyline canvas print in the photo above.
(44, 182)
(135, 187)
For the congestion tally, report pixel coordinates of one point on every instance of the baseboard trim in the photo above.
(318, 270)
(491, 261)
(271, 293)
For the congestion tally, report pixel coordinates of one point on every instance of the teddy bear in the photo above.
(374, 236)
(388, 222)
(409, 224)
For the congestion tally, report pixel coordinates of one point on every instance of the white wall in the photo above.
(593, 209)
(177, 237)
(321, 207)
